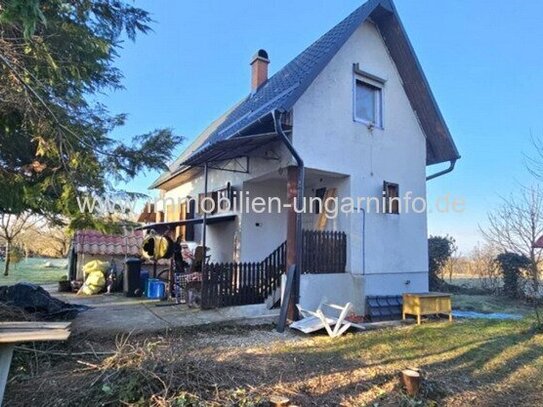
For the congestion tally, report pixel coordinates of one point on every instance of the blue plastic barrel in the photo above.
(156, 289)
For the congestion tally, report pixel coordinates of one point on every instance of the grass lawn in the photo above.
(489, 303)
(470, 362)
(33, 271)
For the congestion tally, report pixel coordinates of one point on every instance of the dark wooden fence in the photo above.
(226, 284)
(324, 252)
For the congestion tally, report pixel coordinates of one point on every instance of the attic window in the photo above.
(368, 98)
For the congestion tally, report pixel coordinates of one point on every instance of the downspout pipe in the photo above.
(277, 117)
(452, 163)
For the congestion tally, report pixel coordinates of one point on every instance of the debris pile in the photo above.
(35, 303)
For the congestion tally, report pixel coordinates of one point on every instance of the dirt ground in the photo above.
(479, 363)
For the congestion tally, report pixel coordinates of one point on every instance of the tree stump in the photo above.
(411, 380)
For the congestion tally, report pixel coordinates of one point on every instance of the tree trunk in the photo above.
(411, 380)
(534, 271)
(6, 265)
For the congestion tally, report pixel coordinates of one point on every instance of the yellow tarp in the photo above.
(95, 279)
(95, 265)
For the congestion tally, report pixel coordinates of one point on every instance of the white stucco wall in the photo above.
(336, 288)
(347, 287)
(223, 238)
(262, 233)
(328, 138)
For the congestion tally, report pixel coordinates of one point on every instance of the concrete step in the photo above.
(273, 299)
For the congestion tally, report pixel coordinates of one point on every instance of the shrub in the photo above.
(512, 266)
(440, 250)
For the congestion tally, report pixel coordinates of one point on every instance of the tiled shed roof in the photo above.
(96, 243)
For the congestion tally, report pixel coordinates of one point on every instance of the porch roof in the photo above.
(164, 226)
(229, 149)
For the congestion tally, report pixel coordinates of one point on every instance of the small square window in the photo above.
(368, 103)
(391, 194)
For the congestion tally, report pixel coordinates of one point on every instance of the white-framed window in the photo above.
(368, 98)
(368, 103)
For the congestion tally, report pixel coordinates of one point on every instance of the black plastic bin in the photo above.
(131, 280)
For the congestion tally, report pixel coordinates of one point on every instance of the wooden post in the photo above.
(292, 193)
(6, 352)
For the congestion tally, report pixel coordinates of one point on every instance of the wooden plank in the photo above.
(34, 325)
(12, 336)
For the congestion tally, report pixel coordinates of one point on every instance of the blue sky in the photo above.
(483, 60)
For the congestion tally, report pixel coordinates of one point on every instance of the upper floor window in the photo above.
(368, 103)
(368, 98)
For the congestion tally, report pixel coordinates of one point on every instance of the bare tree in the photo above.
(516, 225)
(534, 160)
(482, 263)
(451, 265)
(11, 226)
(45, 240)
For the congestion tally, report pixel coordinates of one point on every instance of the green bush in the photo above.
(511, 266)
(440, 249)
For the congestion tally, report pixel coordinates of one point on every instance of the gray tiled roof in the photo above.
(175, 166)
(283, 89)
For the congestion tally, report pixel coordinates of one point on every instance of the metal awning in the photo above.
(164, 226)
(229, 149)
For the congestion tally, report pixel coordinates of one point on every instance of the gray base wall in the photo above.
(346, 287)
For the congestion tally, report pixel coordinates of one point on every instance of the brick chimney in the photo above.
(259, 66)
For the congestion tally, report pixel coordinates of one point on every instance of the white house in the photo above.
(356, 108)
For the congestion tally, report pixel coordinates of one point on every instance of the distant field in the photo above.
(33, 271)
(465, 280)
